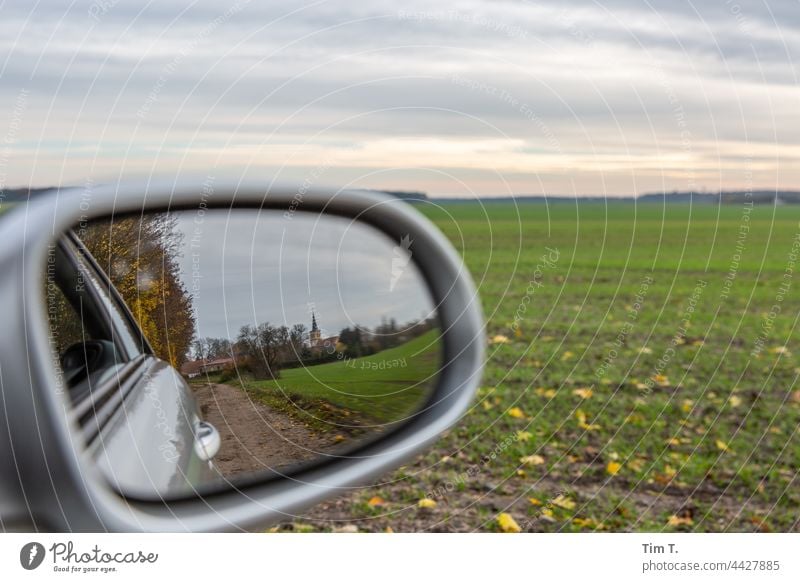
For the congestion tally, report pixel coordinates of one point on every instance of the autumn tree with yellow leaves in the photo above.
(140, 255)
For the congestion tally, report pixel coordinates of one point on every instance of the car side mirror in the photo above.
(241, 352)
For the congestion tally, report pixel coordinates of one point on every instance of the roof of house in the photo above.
(192, 367)
(218, 362)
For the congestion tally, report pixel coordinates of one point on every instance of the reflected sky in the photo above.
(251, 267)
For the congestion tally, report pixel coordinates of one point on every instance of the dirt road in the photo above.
(254, 436)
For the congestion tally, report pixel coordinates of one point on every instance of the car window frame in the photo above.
(107, 298)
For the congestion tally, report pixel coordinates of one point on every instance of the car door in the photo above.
(138, 417)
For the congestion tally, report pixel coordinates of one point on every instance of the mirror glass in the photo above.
(203, 345)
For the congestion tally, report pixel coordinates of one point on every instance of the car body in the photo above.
(158, 443)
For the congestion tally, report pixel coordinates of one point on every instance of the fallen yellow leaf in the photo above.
(636, 464)
(499, 339)
(661, 380)
(523, 436)
(534, 501)
(734, 401)
(516, 412)
(721, 445)
(585, 522)
(532, 460)
(376, 502)
(507, 523)
(581, 416)
(426, 503)
(566, 356)
(583, 392)
(613, 467)
(563, 502)
(678, 520)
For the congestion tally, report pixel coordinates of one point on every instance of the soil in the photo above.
(254, 436)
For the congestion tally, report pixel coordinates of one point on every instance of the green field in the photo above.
(644, 377)
(383, 388)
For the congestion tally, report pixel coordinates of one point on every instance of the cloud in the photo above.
(614, 96)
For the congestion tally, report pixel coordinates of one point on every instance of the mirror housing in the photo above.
(54, 479)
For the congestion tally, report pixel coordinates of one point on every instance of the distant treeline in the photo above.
(725, 197)
(264, 349)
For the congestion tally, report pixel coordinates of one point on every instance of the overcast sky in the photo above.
(247, 268)
(480, 98)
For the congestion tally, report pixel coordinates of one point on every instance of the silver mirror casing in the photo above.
(47, 482)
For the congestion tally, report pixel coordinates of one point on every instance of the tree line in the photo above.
(264, 349)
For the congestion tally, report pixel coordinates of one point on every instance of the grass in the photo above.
(383, 388)
(643, 377)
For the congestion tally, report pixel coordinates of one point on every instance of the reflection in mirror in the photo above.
(201, 345)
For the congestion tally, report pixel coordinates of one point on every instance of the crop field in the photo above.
(641, 376)
(382, 388)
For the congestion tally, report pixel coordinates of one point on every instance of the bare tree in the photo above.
(212, 348)
(297, 341)
(262, 346)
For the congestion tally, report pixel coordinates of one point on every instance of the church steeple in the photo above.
(315, 335)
